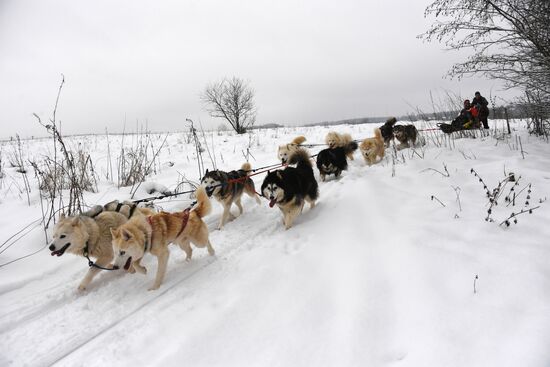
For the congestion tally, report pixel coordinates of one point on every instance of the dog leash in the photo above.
(431, 129)
(163, 196)
(256, 171)
(93, 264)
(275, 165)
(313, 145)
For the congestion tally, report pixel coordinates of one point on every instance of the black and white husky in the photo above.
(228, 187)
(333, 161)
(291, 187)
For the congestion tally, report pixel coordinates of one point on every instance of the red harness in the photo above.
(184, 221)
(150, 221)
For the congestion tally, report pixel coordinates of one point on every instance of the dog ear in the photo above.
(75, 222)
(126, 235)
(206, 172)
(62, 216)
(279, 175)
(114, 232)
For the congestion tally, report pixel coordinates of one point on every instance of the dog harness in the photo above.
(184, 221)
(150, 221)
(98, 213)
(230, 186)
(132, 209)
(130, 213)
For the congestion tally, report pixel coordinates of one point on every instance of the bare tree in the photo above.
(233, 100)
(509, 40)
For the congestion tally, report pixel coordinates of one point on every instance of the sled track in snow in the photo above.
(24, 314)
(163, 290)
(125, 317)
(237, 238)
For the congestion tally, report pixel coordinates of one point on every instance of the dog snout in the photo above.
(52, 247)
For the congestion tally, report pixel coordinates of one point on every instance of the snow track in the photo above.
(29, 315)
(376, 274)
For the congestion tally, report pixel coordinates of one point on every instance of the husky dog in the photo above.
(126, 208)
(289, 188)
(85, 236)
(372, 147)
(405, 134)
(154, 233)
(333, 140)
(228, 188)
(285, 150)
(333, 161)
(387, 130)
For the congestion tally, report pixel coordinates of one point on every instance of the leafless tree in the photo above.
(233, 100)
(509, 40)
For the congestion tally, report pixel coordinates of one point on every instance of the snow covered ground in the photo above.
(378, 274)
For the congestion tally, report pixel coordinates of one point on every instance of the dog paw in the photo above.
(81, 288)
(154, 287)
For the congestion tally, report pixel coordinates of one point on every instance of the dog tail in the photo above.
(300, 158)
(391, 121)
(203, 206)
(350, 147)
(377, 134)
(346, 139)
(298, 140)
(246, 167)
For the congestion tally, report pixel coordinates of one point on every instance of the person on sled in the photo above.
(467, 117)
(483, 107)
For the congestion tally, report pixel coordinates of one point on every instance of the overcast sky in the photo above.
(307, 61)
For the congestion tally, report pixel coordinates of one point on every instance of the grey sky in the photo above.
(307, 61)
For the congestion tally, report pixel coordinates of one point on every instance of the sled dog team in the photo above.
(118, 235)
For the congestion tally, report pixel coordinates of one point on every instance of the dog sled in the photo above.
(451, 128)
(462, 122)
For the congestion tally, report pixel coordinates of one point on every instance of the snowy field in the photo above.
(378, 274)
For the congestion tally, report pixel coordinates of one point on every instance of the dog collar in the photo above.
(93, 264)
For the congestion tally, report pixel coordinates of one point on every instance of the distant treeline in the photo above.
(513, 111)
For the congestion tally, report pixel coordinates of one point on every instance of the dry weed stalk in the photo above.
(495, 194)
(72, 172)
(138, 161)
